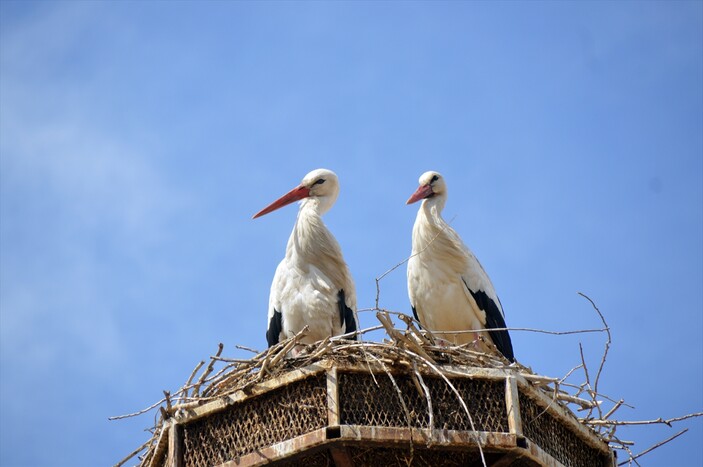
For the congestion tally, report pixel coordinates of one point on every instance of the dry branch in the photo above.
(660, 420)
(652, 448)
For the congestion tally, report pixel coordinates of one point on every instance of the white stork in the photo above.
(448, 288)
(312, 285)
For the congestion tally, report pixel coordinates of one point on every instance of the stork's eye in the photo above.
(434, 179)
(319, 182)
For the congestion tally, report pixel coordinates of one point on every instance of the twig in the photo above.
(540, 331)
(248, 349)
(569, 373)
(192, 375)
(617, 405)
(395, 334)
(588, 378)
(132, 454)
(661, 443)
(208, 370)
(405, 317)
(585, 404)
(134, 414)
(660, 420)
(428, 397)
(461, 401)
(355, 333)
(229, 360)
(607, 345)
(400, 398)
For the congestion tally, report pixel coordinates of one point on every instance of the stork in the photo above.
(448, 288)
(312, 285)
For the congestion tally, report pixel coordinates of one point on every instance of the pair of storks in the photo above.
(449, 290)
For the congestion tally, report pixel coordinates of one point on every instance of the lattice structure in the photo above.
(341, 414)
(280, 414)
(372, 400)
(554, 437)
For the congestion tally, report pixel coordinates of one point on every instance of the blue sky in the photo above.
(138, 138)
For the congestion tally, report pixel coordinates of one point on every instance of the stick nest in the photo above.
(409, 349)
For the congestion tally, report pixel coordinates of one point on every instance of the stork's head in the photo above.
(431, 185)
(320, 186)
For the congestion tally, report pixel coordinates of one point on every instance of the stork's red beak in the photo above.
(292, 196)
(423, 191)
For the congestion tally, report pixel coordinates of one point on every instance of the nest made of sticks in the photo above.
(410, 349)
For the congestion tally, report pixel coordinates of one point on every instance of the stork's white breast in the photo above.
(305, 297)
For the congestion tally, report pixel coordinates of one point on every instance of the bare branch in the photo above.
(248, 349)
(660, 420)
(607, 343)
(134, 414)
(617, 405)
(192, 375)
(132, 454)
(208, 370)
(659, 444)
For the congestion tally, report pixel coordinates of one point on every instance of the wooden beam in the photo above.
(512, 402)
(162, 446)
(394, 436)
(175, 451)
(285, 449)
(332, 397)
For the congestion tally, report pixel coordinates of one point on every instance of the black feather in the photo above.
(273, 333)
(415, 315)
(346, 315)
(494, 320)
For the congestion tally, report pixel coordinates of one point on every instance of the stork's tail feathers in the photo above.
(346, 315)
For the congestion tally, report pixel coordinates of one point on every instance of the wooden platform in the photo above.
(329, 414)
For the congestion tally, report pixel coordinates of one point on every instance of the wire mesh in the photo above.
(278, 415)
(555, 438)
(374, 401)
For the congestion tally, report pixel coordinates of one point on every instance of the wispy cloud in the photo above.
(72, 195)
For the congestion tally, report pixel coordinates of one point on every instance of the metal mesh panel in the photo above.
(556, 438)
(365, 400)
(261, 421)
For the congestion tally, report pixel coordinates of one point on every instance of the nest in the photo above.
(410, 351)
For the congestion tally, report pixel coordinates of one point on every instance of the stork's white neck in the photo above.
(312, 244)
(318, 204)
(433, 238)
(429, 216)
(309, 232)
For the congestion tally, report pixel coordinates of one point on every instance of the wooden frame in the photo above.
(338, 438)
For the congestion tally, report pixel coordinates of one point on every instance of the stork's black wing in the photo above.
(494, 320)
(346, 315)
(273, 333)
(415, 314)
